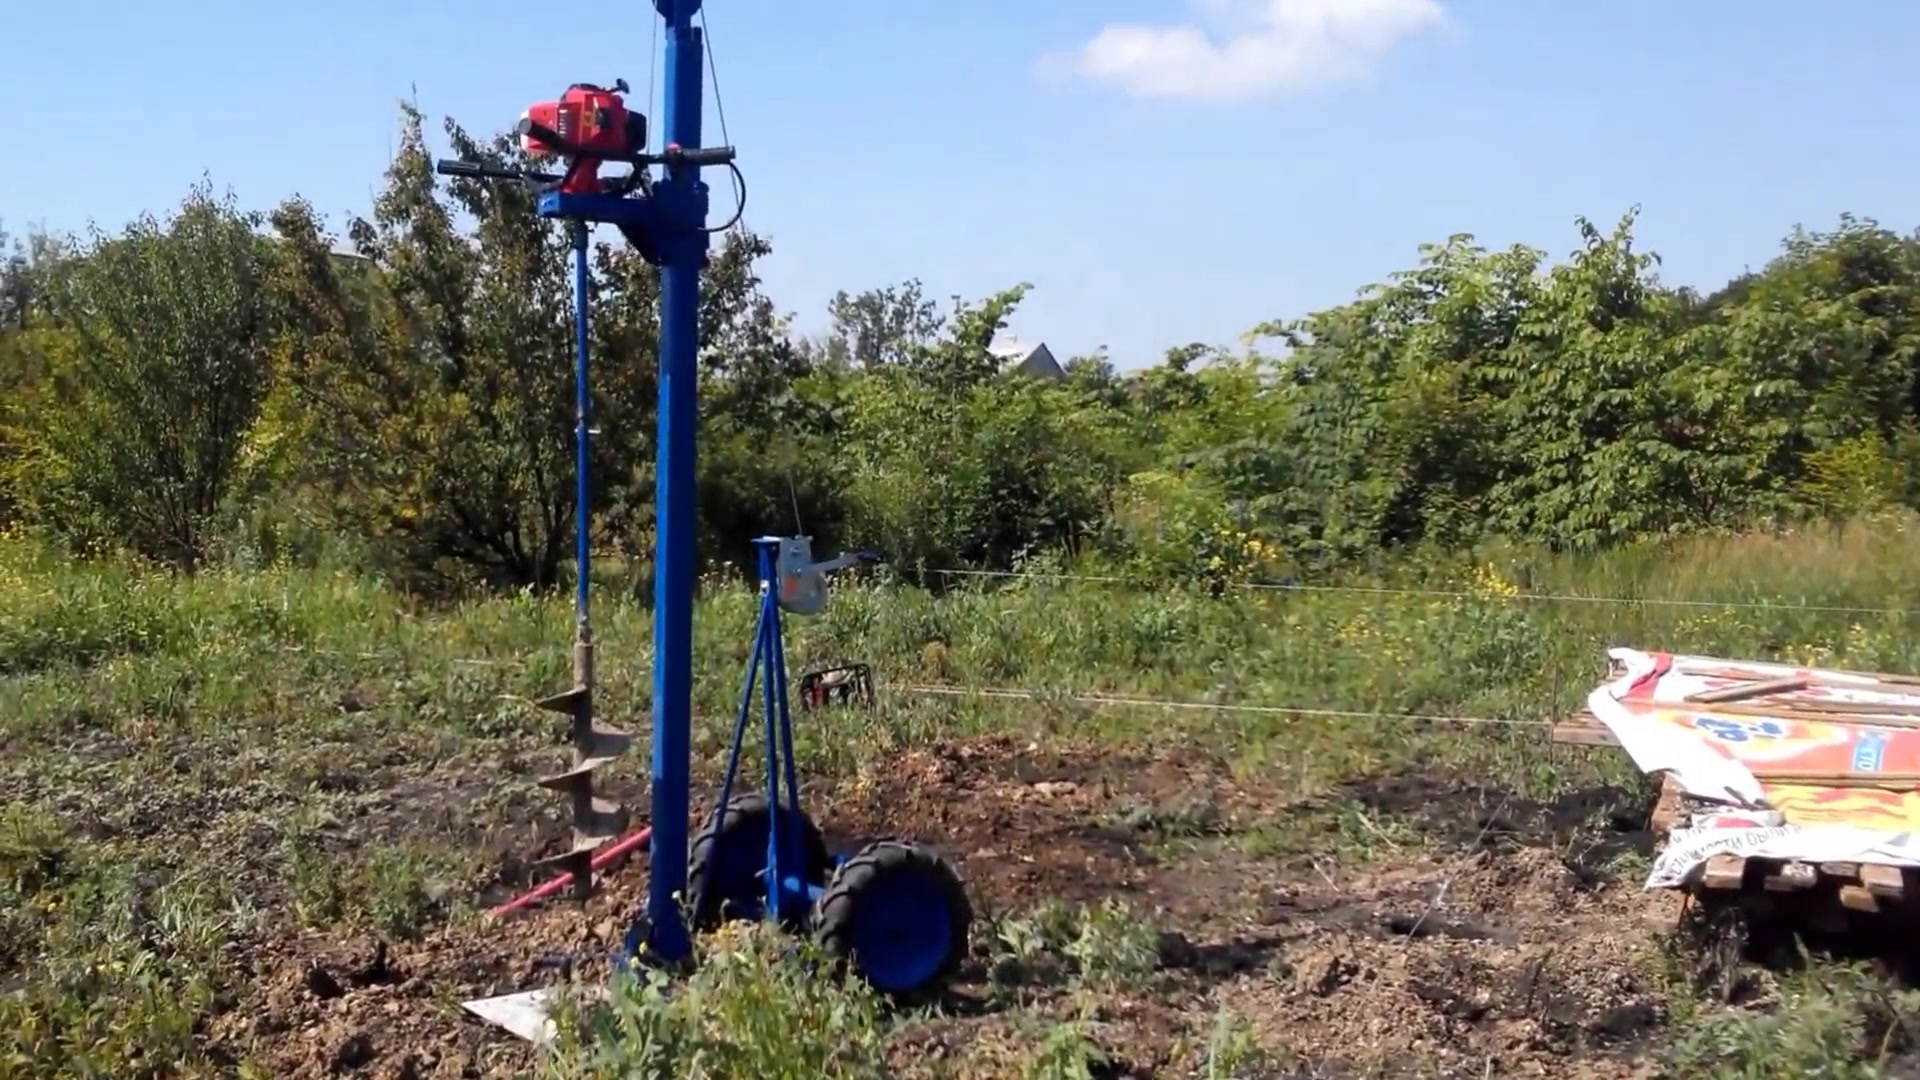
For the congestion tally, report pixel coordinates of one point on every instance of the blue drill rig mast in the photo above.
(896, 911)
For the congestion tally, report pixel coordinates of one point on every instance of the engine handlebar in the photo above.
(672, 155)
(475, 170)
(709, 155)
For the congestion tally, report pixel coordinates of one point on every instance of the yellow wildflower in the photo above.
(1487, 581)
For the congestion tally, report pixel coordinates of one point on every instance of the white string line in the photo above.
(1450, 594)
(1134, 701)
(1084, 698)
(463, 660)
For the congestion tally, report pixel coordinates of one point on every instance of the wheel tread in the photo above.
(706, 910)
(837, 911)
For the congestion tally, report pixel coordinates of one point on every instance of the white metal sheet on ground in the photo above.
(527, 1014)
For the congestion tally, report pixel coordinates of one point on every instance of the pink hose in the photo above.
(632, 842)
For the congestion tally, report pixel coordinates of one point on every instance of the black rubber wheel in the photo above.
(726, 859)
(898, 914)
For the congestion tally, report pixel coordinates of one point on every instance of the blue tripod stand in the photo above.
(896, 911)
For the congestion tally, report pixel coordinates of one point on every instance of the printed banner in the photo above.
(1688, 848)
(1713, 751)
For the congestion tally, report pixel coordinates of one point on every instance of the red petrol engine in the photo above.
(588, 125)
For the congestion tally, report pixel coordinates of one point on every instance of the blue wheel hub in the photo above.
(898, 913)
(903, 933)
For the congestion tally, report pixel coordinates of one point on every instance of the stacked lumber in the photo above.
(1869, 888)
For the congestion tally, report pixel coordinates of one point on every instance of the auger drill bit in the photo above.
(596, 821)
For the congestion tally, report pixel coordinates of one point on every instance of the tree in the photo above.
(1094, 375)
(440, 399)
(436, 405)
(417, 398)
(25, 269)
(768, 418)
(883, 326)
(161, 371)
(959, 358)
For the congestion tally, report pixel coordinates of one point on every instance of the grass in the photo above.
(1844, 1022)
(194, 767)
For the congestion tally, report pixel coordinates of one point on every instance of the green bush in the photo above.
(757, 1004)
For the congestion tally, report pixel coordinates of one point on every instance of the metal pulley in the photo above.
(803, 582)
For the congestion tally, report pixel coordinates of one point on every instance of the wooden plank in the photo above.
(1857, 708)
(1724, 872)
(1836, 677)
(1859, 898)
(1751, 690)
(1791, 876)
(1883, 881)
(1884, 781)
(1789, 710)
(1582, 735)
(1670, 809)
(1832, 677)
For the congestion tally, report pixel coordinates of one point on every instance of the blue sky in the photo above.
(1162, 171)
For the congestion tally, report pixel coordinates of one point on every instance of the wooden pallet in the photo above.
(1869, 888)
(1669, 810)
(1582, 729)
(1830, 894)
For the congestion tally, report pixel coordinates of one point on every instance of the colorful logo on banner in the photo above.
(1869, 750)
(1731, 730)
(1768, 740)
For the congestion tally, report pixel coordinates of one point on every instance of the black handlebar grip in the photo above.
(477, 170)
(711, 155)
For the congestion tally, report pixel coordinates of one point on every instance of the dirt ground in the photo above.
(1490, 948)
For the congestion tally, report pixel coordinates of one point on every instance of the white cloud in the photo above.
(1258, 48)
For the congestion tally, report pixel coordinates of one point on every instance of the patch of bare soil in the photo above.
(1490, 956)
(327, 1007)
(1500, 962)
(1023, 824)
(1500, 953)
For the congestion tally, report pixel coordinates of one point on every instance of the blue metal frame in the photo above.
(681, 199)
(671, 221)
(787, 890)
(674, 217)
(582, 436)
